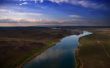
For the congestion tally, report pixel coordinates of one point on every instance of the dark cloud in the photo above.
(7, 21)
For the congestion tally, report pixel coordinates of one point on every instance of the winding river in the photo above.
(62, 55)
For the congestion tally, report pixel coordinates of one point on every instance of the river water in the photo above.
(62, 55)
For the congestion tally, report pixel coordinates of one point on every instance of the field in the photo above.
(19, 46)
(94, 50)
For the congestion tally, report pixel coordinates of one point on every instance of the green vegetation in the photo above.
(94, 50)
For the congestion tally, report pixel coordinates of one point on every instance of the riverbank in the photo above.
(19, 46)
(94, 50)
(31, 56)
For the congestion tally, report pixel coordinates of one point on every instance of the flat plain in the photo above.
(94, 50)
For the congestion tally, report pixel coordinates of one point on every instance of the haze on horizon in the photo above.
(54, 12)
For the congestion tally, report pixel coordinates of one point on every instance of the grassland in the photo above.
(19, 46)
(94, 50)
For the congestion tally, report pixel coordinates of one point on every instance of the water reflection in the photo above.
(59, 56)
(85, 33)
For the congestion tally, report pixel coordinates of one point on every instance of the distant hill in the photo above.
(48, 27)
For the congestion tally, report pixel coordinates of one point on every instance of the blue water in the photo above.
(62, 55)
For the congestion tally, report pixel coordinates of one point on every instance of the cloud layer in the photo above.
(29, 14)
(83, 3)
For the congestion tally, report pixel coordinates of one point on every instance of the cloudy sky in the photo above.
(54, 12)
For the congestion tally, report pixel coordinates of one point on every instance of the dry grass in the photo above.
(94, 50)
(16, 46)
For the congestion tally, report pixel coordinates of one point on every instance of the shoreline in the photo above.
(30, 57)
(77, 59)
(35, 54)
(78, 62)
(95, 46)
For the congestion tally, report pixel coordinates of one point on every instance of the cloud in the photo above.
(72, 22)
(83, 3)
(18, 20)
(75, 16)
(7, 24)
(24, 3)
(6, 13)
(7, 21)
(36, 1)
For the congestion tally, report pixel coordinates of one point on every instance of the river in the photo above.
(62, 55)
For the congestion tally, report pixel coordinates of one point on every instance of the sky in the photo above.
(54, 13)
